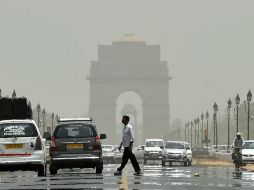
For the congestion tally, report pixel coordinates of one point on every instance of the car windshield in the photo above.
(154, 143)
(107, 147)
(74, 130)
(172, 145)
(249, 145)
(8, 130)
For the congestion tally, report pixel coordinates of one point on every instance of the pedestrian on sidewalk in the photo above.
(127, 143)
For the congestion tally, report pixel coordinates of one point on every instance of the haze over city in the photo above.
(46, 49)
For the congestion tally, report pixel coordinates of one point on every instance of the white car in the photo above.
(21, 147)
(108, 151)
(248, 152)
(176, 151)
(153, 149)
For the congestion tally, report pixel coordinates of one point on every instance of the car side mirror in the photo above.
(187, 148)
(162, 147)
(47, 135)
(103, 136)
(143, 147)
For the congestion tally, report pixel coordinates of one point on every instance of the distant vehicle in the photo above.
(76, 144)
(153, 149)
(248, 152)
(22, 147)
(176, 151)
(108, 151)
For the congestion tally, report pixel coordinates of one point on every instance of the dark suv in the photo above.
(76, 144)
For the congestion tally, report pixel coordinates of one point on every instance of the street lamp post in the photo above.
(249, 96)
(185, 128)
(229, 106)
(215, 108)
(214, 129)
(202, 129)
(207, 117)
(43, 120)
(237, 101)
(188, 124)
(52, 118)
(191, 133)
(198, 131)
(38, 111)
(195, 128)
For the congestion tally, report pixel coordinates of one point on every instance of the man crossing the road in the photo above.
(127, 143)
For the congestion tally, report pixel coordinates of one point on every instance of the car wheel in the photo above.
(41, 171)
(170, 163)
(185, 164)
(163, 163)
(145, 161)
(53, 170)
(99, 168)
(189, 163)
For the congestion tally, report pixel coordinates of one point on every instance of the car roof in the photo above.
(18, 121)
(177, 142)
(61, 120)
(154, 140)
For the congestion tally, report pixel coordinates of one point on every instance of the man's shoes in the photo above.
(137, 173)
(118, 173)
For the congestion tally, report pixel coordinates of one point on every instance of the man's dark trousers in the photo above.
(127, 154)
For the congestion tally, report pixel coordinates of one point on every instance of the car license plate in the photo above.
(13, 146)
(74, 146)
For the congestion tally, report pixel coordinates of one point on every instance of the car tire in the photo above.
(41, 171)
(163, 163)
(170, 163)
(185, 164)
(99, 168)
(189, 163)
(52, 170)
(145, 161)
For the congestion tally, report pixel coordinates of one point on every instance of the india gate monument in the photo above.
(130, 79)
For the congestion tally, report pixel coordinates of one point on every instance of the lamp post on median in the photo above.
(43, 120)
(202, 129)
(237, 101)
(195, 128)
(207, 137)
(191, 133)
(188, 124)
(38, 111)
(52, 118)
(185, 128)
(215, 108)
(228, 109)
(249, 96)
(198, 121)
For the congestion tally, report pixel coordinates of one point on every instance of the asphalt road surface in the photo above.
(154, 177)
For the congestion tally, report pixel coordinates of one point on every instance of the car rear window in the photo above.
(154, 143)
(174, 145)
(74, 130)
(8, 130)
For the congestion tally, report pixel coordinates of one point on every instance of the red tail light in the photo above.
(53, 144)
(38, 144)
(97, 138)
(97, 144)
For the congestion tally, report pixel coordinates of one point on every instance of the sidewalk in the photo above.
(215, 162)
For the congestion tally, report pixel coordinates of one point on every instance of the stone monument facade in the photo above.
(130, 64)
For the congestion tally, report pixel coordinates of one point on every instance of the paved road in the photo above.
(155, 177)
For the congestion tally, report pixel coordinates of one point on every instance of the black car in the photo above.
(76, 144)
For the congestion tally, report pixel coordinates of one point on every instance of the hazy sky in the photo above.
(46, 48)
